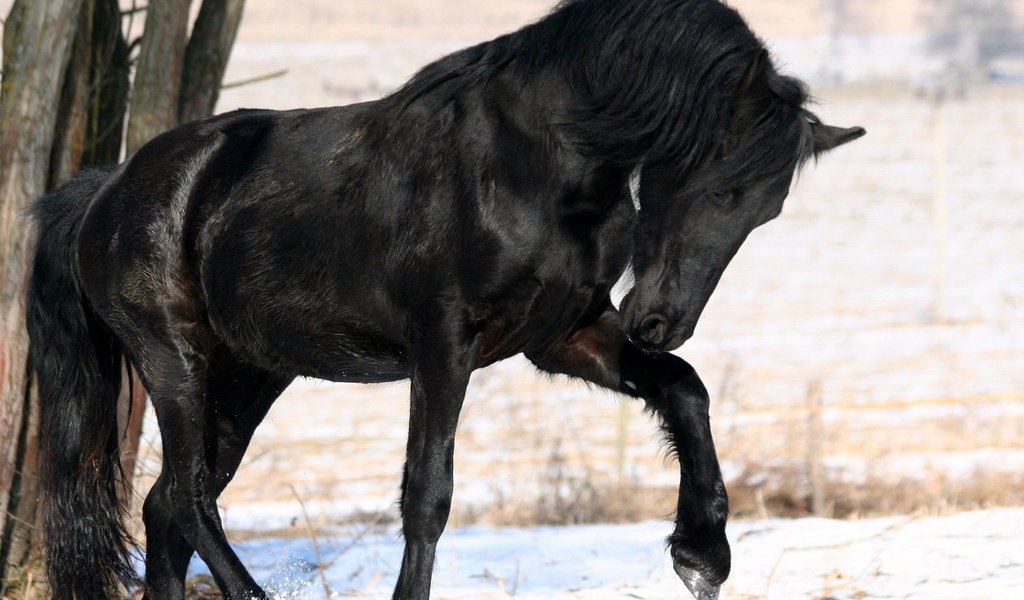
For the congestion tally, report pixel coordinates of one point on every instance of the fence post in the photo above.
(621, 441)
(940, 219)
(815, 433)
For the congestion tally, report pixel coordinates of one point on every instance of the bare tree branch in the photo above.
(134, 9)
(257, 79)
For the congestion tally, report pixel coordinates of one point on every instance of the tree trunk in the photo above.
(91, 118)
(111, 85)
(158, 73)
(72, 116)
(20, 539)
(206, 57)
(37, 45)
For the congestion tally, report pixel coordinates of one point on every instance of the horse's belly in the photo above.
(308, 324)
(310, 348)
(349, 366)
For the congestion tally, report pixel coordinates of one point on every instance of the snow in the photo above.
(967, 555)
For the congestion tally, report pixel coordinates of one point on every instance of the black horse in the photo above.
(482, 210)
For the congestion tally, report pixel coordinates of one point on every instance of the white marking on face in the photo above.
(623, 285)
(634, 186)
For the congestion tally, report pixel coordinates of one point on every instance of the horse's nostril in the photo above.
(652, 329)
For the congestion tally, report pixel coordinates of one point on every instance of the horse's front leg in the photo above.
(441, 365)
(671, 388)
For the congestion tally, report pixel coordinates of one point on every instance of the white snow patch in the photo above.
(968, 555)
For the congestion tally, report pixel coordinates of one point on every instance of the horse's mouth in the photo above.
(642, 346)
(674, 342)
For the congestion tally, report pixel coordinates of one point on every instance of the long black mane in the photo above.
(653, 82)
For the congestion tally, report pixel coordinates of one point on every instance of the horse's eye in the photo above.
(723, 197)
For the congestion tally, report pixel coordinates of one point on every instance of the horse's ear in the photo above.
(755, 77)
(827, 137)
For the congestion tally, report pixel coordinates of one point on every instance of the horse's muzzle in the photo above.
(655, 333)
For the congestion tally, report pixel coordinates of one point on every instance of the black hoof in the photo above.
(702, 560)
(700, 587)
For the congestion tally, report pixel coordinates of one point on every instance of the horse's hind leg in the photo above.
(238, 397)
(671, 388)
(177, 375)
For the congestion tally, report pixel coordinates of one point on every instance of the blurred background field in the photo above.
(865, 351)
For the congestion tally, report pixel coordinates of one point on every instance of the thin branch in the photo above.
(367, 528)
(256, 79)
(127, 29)
(134, 9)
(14, 517)
(132, 45)
(851, 542)
(316, 543)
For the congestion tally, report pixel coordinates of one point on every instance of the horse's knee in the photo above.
(426, 504)
(674, 388)
(162, 511)
(689, 395)
(426, 520)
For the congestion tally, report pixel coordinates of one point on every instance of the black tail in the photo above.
(78, 363)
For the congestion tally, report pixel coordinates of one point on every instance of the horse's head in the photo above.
(693, 218)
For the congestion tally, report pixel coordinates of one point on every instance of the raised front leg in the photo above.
(441, 365)
(671, 388)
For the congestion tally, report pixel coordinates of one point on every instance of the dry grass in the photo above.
(202, 587)
(579, 503)
(583, 500)
(938, 494)
(26, 582)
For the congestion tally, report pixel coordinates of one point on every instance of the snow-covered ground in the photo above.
(975, 555)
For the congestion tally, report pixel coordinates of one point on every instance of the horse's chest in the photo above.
(561, 293)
